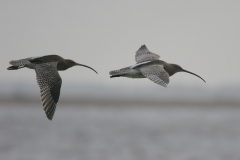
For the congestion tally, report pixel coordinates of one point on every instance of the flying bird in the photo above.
(48, 78)
(149, 66)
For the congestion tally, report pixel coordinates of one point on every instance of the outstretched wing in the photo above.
(143, 54)
(156, 73)
(50, 83)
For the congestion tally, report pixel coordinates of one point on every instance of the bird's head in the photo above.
(176, 68)
(71, 63)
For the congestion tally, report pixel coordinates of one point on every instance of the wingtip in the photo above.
(49, 118)
(143, 46)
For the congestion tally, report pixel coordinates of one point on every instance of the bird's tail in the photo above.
(17, 64)
(119, 73)
(115, 76)
(14, 67)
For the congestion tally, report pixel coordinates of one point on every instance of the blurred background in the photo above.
(121, 118)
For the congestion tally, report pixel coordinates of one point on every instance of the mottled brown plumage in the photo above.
(48, 78)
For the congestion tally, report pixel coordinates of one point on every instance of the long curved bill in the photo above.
(193, 74)
(86, 67)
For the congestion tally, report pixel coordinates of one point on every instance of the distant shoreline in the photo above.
(133, 102)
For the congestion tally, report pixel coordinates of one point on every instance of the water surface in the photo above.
(119, 133)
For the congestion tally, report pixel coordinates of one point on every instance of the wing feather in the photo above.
(143, 54)
(49, 82)
(156, 73)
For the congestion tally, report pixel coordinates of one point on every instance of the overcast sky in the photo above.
(201, 36)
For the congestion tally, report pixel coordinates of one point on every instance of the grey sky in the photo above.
(201, 36)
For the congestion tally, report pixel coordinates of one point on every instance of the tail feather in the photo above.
(20, 62)
(115, 76)
(14, 67)
(120, 72)
(17, 64)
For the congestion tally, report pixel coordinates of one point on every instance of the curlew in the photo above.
(48, 78)
(149, 66)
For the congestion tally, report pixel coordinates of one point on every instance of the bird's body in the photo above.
(149, 66)
(134, 73)
(48, 78)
